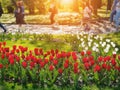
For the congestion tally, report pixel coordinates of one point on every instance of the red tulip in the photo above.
(46, 61)
(17, 50)
(51, 67)
(2, 56)
(97, 68)
(74, 57)
(100, 58)
(89, 52)
(92, 62)
(87, 65)
(76, 65)
(7, 54)
(27, 58)
(91, 58)
(66, 65)
(1, 66)
(108, 67)
(48, 52)
(14, 47)
(11, 61)
(104, 65)
(39, 60)
(63, 54)
(85, 59)
(24, 64)
(41, 51)
(117, 68)
(55, 62)
(52, 51)
(51, 58)
(17, 58)
(67, 61)
(119, 57)
(45, 55)
(60, 70)
(7, 49)
(4, 43)
(68, 54)
(82, 53)
(113, 62)
(0, 44)
(36, 51)
(107, 58)
(58, 56)
(56, 51)
(12, 52)
(23, 56)
(32, 64)
(42, 64)
(76, 70)
(114, 55)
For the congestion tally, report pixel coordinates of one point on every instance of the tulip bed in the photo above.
(96, 61)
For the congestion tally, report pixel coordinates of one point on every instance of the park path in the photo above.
(96, 27)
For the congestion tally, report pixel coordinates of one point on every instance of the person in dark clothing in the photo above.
(96, 4)
(1, 12)
(53, 10)
(113, 10)
(19, 13)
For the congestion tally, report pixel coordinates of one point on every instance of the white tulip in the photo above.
(97, 45)
(107, 40)
(79, 45)
(114, 52)
(97, 50)
(96, 37)
(116, 49)
(91, 40)
(89, 44)
(113, 44)
(100, 42)
(101, 38)
(81, 39)
(106, 50)
(108, 45)
(84, 36)
(86, 48)
(93, 48)
(82, 44)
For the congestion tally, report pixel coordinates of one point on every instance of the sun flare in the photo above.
(68, 2)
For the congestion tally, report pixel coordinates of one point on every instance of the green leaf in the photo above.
(96, 76)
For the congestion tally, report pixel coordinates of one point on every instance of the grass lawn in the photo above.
(8, 86)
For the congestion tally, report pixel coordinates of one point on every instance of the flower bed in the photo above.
(19, 65)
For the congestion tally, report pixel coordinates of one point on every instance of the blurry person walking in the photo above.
(19, 13)
(1, 12)
(53, 10)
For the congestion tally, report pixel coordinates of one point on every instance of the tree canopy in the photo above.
(41, 6)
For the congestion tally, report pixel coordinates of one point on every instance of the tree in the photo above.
(40, 6)
(30, 5)
(109, 4)
(96, 4)
(75, 6)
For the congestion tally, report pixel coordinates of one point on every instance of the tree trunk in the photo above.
(75, 6)
(109, 4)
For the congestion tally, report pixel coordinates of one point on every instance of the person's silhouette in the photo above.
(1, 12)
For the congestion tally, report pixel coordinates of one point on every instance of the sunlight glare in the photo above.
(66, 1)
